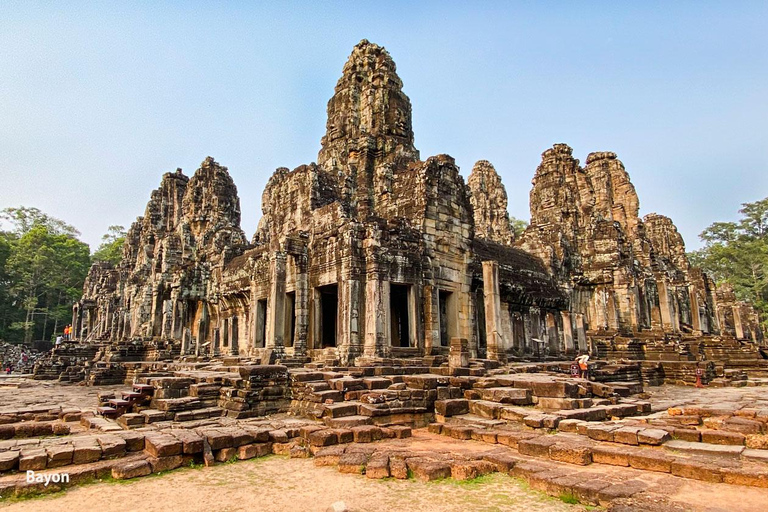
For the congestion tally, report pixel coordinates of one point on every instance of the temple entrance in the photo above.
(260, 332)
(447, 317)
(329, 308)
(399, 307)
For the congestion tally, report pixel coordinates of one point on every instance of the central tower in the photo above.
(369, 129)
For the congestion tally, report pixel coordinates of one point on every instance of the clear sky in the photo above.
(96, 102)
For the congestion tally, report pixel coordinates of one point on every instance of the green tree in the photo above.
(518, 226)
(737, 252)
(43, 269)
(24, 218)
(111, 248)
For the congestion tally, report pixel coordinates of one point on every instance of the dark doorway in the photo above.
(399, 307)
(261, 323)
(290, 318)
(445, 299)
(329, 307)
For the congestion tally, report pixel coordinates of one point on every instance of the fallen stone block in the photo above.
(467, 470)
(59, 455)
(8, 460)
(398, 468)
(225, 454)
(163, 445)
(132, 469)
(323, 438)
(377, 467)
(366, 434)
(159, 464)
(571, 453)
(427, 470)
(504, 462)
(353, 463)
(652, 436)
(620, 490)
(452, 407)
(112, 446)
(536, 447)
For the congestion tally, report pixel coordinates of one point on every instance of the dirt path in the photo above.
(296, 485)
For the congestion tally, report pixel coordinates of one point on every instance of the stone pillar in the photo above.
(567, 330)
(276, 305)
(492, 311)
(376, 314)
(695, 313)
(302, 307)
(737, 325)
(431, 319)
(666, 314)
(581, 334)
(458, 357)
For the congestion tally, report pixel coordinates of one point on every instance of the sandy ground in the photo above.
(282, 484)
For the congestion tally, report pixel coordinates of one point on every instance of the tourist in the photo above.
(58, 340)
(583, 365)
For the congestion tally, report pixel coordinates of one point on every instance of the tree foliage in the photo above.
(737, 253)
(518, 226)
(111, 248)
(42, 269)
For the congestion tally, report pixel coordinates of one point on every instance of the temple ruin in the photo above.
(382, 294)
(372, 253)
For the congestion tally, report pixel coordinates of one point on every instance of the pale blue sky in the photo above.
(96, 102)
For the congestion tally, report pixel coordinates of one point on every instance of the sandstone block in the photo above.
(132, 469)
(571, 453)
(59, 455)
(8, 460)
(159, 464)
(536, 447)
(467, 470)
(452, 407)
(722, 437)
(353, 463)
(650, 460)
(427, 470)
(652, 436)
(377, 467)
(112, 446)
(696, 470)
(35, 459)
(163, 445)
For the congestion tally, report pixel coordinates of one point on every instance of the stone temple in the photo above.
(382, 294)
(372, 253)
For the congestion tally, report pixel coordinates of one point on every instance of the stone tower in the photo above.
(369, 132)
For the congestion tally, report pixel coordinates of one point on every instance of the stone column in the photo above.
(581, 334)
(431, 319)
(666, 314)
(567, 330)
(276, 305)
(301, 307)
(737, 325)
(695, 313)
(492, 310)
(376, 325)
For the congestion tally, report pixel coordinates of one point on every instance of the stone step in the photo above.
(704, 448)
(199, 414)
(348, 421)
(341, 409)
(331, 394)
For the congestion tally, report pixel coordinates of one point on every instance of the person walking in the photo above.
(583, 365)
